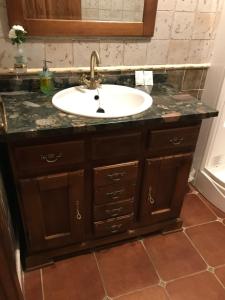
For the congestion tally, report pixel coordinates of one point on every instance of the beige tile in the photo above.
(90, 14)
(105, 4)
(216, 24)
(117, 4)
(157, 52)
(82, 52)
(116, 15)
(90, 3)
(199, 51)
(166, 4)
(220, 5)
(203, 27)
(35, 52)
(135, 53)
(183, 25)
(60, 53)
(164, 20)
(4, 27)
(132, 16)
(134, 5)
(6, 54)
(111, 53)
(207, 5)
(178, 51)
(187, 5)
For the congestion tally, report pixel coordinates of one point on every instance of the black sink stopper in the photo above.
(96, 97)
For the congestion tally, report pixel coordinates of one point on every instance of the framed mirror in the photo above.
(84, 17)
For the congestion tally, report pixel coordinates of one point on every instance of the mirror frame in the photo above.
(53, 27)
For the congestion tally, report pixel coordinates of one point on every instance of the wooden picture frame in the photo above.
(59, 27)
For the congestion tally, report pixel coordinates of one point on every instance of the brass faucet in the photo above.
(94, 82)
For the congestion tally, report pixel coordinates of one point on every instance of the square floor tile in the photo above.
(173, 255)
(210, 241)
(202, 286)
(32, 285)
(77, 278)
(126, 268)
(195, 212)
(154, 293)
(220, 273)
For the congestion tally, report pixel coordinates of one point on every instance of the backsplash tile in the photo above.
(183, 25)
(163, 25)
(82, 52)
(135, 53)
(157, 52)
(111, 53)
(178, 51)
(187, 5)
(204, 23)
(184, 33)
(60, 53)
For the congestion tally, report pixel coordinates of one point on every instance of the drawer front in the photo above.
(115, 193)
(116, 146)
(113, 210)
(169, 139)
(34, 159)
(113, 226)
(114, 174)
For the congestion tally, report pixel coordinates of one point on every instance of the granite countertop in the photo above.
(31, 114)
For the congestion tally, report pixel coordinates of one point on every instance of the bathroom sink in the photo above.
(114, 101)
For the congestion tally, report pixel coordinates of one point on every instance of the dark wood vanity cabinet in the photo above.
(164, 186)
(53, 209)
(101, 188)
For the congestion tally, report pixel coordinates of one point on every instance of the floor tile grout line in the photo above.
(195, 247)
(135, 291)
(42, 285)
(101, 276)
(152, 262)
(220, 282)
(186, 276)
(200, 224)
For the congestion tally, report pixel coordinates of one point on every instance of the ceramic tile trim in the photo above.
(112, 69)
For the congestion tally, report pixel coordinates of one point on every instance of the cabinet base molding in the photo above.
(49, 257)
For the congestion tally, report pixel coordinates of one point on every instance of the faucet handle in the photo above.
(84, 80)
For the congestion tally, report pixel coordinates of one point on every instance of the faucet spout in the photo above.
(95, 61)
(94, 82)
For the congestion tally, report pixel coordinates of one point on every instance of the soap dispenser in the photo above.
(46, 80)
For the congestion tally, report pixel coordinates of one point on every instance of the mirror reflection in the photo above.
(95, 10)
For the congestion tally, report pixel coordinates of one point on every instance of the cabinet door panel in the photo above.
(53, 209)
(164, 187)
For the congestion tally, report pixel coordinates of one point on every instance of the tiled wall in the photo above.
(184, 33)
(112, 10)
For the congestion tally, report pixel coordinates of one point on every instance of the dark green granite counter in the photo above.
(31, 114)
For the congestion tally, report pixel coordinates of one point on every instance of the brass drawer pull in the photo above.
(114, 212)
(176, 140)
(51, 158)
(115, 193)
(116, 176)
(150, 200)
(115, 228)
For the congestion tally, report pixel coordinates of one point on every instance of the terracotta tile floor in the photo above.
(188, 265)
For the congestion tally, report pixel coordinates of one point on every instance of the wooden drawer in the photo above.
(36, 159)
(113, 210)
(115, 193)
(173, 139)
(116, 146)
(112, 226)
(114, 174)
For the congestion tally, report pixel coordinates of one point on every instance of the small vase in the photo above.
(20, 59)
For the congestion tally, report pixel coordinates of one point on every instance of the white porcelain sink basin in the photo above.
(115, 100)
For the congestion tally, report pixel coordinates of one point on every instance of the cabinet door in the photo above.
(53, 210)
(165, 181)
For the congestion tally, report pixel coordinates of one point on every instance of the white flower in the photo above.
(18, 27)
(12, 34)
